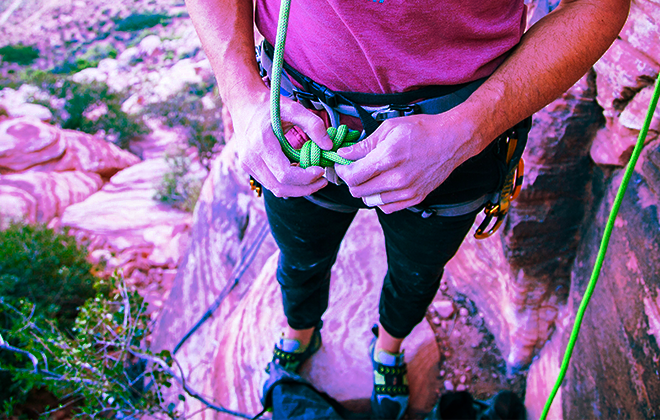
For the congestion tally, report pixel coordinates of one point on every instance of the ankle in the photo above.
(388, 343)
(304, 337)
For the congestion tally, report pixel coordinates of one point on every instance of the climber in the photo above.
(381, 49)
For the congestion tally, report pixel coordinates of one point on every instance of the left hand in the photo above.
(408, 157)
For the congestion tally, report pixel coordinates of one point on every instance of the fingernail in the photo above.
(345, 150)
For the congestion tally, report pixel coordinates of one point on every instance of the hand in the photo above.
(260, 153)
(406, 158)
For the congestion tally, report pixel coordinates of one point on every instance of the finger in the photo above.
(270, 182)
(360, 149)
(399, 205)
(311, 124)
(280, 166)
(375, 164)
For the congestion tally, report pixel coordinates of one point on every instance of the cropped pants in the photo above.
(418, 248)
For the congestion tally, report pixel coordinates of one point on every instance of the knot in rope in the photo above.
(310, 154)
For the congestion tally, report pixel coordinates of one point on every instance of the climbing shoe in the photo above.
(290, 356)
(389, 399)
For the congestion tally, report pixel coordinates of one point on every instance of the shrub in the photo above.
(79, 99)
(177, 188)
(139, 21)
(101, 370)
(90, 58)
(203, 127)
(19, 53)
(46, 268)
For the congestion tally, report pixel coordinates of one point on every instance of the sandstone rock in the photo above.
(90, 154)
(641, 30)
(614, 368)
(39, 112)
(38, 197)
(125, 219)
(622, 71)
(615, 142)
(650, 167)
(445, 308)
(517, 279)
(160, 140)
(28, 143)
(149, 45)
(228, 346)
(634, 114)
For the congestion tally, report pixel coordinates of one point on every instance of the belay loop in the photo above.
(310, 154)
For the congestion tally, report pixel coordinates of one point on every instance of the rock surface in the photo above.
(614, 370)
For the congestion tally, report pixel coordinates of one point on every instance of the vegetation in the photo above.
(139, 21)
(90, 58)
(19, 53)
(67, 332)
(203, 127)
(78, 100)
(46, 268)
(178, 188)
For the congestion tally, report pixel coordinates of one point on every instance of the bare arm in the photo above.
(407, 158)
(225, 28)
(554, 54)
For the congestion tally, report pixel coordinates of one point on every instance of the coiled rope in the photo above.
(310, 154)
(603, 246)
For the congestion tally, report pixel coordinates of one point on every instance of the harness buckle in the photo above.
(394, 111)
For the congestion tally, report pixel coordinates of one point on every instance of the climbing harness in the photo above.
(603, 247)
(313, 95)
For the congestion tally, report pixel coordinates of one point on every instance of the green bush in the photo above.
(177, 188)
(115, 122)
(139, 21)
(79, 98)
(89, 58)
(19, 53)
(101, 370)
(50, 271)
(46, 268)
(185, 110)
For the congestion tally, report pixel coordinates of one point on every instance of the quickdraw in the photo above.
(510, 191)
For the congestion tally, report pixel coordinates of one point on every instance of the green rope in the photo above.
(310, 154)
(603, 247)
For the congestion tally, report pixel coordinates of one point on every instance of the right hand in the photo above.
(260, 153)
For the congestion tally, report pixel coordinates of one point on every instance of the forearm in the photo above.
(225, 28)
(551, 57)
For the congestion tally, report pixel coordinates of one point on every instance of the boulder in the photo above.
(621, 72)
(38, 197)
(519, 278)
(615, 142)
(125, 219)
(26, 143)
(641, 30)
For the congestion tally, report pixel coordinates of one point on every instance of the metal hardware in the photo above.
(256, 186)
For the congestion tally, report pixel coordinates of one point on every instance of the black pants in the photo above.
(417, 248)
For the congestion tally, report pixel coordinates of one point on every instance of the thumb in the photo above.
(360, 149)
(311, 124)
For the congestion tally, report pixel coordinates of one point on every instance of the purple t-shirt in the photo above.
(389, 46)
